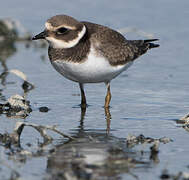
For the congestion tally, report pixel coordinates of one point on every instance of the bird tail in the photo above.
(149, 43)
(140, 47)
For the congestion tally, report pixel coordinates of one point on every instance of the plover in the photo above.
(86, 52)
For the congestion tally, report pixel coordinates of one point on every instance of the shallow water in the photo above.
(146, 99)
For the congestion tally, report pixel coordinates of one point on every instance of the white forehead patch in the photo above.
(56, 43)
(49, 26)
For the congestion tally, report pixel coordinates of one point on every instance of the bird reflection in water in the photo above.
(107, 117)
(94, 154)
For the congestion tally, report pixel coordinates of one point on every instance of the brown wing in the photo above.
(114, 46)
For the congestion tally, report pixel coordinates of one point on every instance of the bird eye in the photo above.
(62, 30)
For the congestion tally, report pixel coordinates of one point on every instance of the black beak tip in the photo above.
(41, 35)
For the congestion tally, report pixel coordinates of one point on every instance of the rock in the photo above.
(16, 106)
(132, 140)
(184, 120)
(18, 102)
(12, 29)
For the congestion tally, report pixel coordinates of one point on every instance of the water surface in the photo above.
(146, 99)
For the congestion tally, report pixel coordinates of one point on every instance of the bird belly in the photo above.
(94, 69)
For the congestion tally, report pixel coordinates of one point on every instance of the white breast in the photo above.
(93, 70)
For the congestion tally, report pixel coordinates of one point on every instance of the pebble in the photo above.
(44, 109)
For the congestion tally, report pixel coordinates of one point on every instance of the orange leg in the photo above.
(108, 96)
